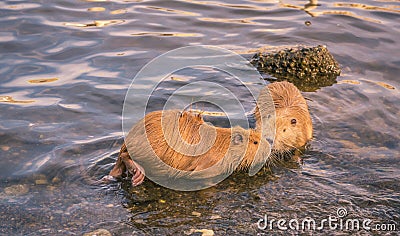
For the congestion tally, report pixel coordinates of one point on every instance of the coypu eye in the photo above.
(293, 121)
(255, 142)
(284, 130)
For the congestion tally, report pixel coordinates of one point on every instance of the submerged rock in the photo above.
(16, 190)
(98, 232)
(309, 68)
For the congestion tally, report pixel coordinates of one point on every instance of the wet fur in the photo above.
(206, 153)
(174, 137)
(147, 142)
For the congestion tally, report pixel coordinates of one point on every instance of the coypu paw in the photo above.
(135, 169)
(125, 163)
(119, 167)
(117, 171)
(139, 175)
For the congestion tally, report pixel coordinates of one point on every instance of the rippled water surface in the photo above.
(65, 67)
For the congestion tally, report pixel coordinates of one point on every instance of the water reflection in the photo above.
(96, 23)
(222, 20)
(96, 9)
(165, 34)
(358, 82)
(65, 67)
(9, 99)
(178, 12)
(39, 81)
(308, 8)
(390, 8)
(312, 6)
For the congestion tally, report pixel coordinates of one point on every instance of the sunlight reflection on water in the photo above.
(66, 66)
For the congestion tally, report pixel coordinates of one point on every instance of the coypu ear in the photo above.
(237, 138)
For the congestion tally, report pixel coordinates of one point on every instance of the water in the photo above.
(65, 67)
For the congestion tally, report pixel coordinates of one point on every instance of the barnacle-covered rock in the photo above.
(309, 68)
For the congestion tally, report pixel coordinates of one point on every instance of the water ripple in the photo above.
(64, 70)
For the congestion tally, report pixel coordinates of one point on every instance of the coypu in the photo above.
(175, 138)
(292, 122)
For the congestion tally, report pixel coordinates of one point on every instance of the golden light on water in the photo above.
(96, 23)
(385, 85)
(351, 14)
(357, 82)
(45, 80)
(347, 81)
(179, 12)
(102, 23)
(96, 9)
(368, 7)
(167, 34)
(119, 11)
(312, 6)
(9, 99)
(221, 4)
(178, 78)
(222, 20)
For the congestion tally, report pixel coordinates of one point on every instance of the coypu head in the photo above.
(249, 142)
(233, 148)
(293, 121)
(293, 126)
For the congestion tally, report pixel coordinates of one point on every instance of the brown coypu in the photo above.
(293, 125)
(175, 138)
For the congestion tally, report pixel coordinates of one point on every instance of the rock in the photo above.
(98, 232)
(16, 190)
(162, 201)
(309, 68)
(56, 180)
(204, 232)
(215, 217)
(195, 213)
(41, 181)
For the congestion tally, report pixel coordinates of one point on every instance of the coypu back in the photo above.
(175, 138)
